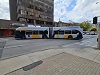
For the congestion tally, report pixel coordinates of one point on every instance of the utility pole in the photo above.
(98, 45)
(95, 21)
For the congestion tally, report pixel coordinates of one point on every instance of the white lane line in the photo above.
(14, 46)
(7, 47)
(69, 45)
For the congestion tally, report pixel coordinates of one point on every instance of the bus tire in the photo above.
(70, 37)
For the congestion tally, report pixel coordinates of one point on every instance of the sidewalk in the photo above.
(70, 61)
(61, 64)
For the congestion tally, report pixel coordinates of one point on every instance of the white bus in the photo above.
(73, 32)
(32, 32)
(49, 32)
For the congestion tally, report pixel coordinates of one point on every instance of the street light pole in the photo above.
(97, 2)
(98, 45)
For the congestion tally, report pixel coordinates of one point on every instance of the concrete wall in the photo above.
(13, 9)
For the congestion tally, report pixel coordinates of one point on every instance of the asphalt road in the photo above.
(11, 47)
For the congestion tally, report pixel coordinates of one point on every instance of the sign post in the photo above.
(98, 45)
(95, 19)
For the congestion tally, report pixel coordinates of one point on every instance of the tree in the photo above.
(85, 25)
(93, 29)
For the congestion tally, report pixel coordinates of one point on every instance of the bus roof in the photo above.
(67, 28)
(32, 28)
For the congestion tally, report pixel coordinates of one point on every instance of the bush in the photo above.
(93, 29)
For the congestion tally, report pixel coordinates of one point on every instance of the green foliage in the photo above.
(93, 29)
(85, 25)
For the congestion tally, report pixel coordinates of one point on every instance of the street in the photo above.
(9, 47)
(50, 56)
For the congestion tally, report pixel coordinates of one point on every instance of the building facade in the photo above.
(63, 24)
(37, 12)
(7, 27)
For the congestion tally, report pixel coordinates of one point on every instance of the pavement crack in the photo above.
(96, 56)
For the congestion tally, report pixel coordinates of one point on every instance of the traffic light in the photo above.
(95, 20)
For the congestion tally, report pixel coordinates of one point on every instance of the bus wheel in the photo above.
(70, 37)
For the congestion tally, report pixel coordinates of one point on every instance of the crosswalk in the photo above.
(88, 42)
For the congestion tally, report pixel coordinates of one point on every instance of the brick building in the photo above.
(37, 12)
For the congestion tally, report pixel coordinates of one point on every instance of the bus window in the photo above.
(17, 32)
(23, 32)
(35, 32)
(45, 32)
(29, 33)
(40, 32)
(74, 31)
(67, 31)
(61, 32)
(55, 32)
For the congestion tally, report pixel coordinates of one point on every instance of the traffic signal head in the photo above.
(95, 20)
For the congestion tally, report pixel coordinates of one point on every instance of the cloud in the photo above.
(4, 9)
(82, 11)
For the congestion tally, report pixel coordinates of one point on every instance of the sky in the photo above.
(64, 10)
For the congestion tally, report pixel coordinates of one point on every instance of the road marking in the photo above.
(88, 42)
(14, 46)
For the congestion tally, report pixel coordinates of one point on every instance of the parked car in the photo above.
(93, 33)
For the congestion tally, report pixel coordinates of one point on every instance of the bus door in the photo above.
(61, 34)
(28, 34)
(23, 34)
(45, 34)
(50, 32)
(40, 33)
(75, 33)
(58, 34)
(55, 34)
(18, 34)
(67, 33)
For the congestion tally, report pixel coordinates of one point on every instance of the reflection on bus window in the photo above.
(67, 31)
(74, 31)
(61, 32)
(45, 32)
(35, 32)
(40, 32)
(55, 32)
(29, 33)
